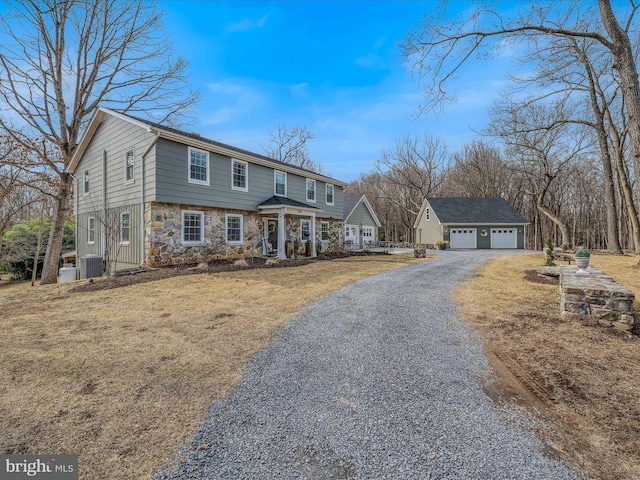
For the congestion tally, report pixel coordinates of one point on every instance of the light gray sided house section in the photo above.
(470, 223)
(151, 194)
(360, 221)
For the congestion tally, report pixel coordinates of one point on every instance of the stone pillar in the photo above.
(281, 235)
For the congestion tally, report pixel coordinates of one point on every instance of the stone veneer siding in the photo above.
(595, 299)
(163, 228)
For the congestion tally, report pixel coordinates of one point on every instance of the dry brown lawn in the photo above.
(585, 380)
(122, 377)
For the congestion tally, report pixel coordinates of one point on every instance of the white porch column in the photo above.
(281, 235)
(313, 234)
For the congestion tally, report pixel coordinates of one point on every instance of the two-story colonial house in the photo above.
(151, 194)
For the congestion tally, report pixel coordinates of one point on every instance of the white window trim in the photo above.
(326, 193)
(427, 215)
(306, 190)
(302, 220)
(191, 242)
(226, 227)
(328, 224)
(191, 180)
(89, 230)
(86, 187)
(133, 171)
(275, 175)
(127, 241)
(246, 176)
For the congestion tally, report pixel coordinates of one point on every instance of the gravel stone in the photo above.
(380, 380)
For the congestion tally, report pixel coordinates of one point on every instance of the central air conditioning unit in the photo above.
(90, 267)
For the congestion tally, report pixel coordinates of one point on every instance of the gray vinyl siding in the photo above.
(115, 137)
(83, 248)
(361, 216)
(127, 255)
(172, 183)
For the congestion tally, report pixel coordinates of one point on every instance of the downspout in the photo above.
(104, 205)
(142, 225)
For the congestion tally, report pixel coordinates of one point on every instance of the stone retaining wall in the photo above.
(595, 299)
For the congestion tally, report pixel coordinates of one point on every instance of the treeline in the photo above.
(416, 168)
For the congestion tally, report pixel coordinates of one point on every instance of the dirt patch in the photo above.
(535, 277)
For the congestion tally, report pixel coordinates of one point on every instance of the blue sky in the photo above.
(332, 66)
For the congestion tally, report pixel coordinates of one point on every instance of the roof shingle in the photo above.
(475, 210)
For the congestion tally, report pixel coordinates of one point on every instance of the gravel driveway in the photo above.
(379, 380)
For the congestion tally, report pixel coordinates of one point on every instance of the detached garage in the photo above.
(470, 223)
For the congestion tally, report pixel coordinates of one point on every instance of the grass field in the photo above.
(122, 377)
(585, 378)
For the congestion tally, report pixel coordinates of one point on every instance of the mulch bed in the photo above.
(535, 277)
(215, 266)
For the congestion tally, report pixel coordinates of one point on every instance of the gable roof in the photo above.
(191, 139)
(286, 201)
(352, 201)
(475, 210)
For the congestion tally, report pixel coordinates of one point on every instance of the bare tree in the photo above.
(20, 189)
(290, 146)
(412, 169)
(545, 147)
(61, 59)
(478, 170)
(437, 50)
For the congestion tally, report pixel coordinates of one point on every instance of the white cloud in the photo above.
(228, 101)
(300, 89)
(247, 24)
(371, 60)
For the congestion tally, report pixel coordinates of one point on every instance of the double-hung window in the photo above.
(125, 227)
(85, 182)
(311, 190)
(239, 172)
(324, 230)
(192, 227)
(234, 229)
(128, 167)
(91, 230)
(305, 230)
(329, 197)
(426, 214)
(198, 166)
(280, 183)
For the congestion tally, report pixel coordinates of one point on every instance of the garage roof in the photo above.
(475, 211)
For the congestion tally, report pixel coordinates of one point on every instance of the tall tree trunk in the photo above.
(36, 255)
(632, 212)
(54, 245)
(625, 64)
(555, 218)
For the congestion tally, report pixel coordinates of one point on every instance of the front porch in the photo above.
(288, 223)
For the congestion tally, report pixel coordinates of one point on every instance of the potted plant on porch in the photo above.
(582, 257)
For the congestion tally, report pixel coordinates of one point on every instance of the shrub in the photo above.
(583, 253)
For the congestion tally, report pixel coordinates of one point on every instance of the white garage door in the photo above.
(504, 238)
(463, 238)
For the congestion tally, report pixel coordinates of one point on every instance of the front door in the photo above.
(352, 236)
(272, 234)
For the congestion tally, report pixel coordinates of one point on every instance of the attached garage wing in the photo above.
(463, 238)
(504, 238)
